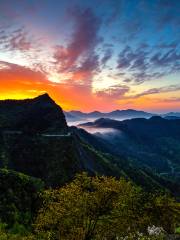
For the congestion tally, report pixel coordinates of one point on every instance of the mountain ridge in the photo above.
(130, 113)
(153, 142)
(116, 114)
(35, 140)
(37, 114)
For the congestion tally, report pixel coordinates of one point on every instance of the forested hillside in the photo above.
(40, 199)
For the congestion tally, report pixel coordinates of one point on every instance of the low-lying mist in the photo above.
(106, 133)
(85, 120)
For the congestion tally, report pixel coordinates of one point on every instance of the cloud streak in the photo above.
(114, 92)
(166, 89)
(146, 63)
(79, 55)
(18, 41)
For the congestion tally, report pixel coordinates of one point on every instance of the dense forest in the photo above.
(86, 208)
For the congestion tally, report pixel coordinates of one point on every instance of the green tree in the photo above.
(164, 212)
(93, 208)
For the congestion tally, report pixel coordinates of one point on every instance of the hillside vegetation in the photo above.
(41, 199)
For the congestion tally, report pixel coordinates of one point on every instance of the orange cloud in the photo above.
(20, 82)
(151, 104)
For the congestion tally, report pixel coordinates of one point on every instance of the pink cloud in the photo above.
(19, 41)
(23, 82)
(79, 56)
(114, 92)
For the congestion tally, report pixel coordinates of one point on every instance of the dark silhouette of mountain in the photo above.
(40, 114)
(77, 114)
(117, 114)
(152, 143)
(155, 126)
(172, 117)
(174, 114)
(35, 140)
(129, 113)
(80, 114)
(118, 151)
(54, 159)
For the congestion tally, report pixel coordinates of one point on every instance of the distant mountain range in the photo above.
(170, 117)
(174, 114)
(117, 114)
(73, 116)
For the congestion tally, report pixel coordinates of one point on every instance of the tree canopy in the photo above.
(103, 208)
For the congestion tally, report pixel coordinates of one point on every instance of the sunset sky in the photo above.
(92, 55)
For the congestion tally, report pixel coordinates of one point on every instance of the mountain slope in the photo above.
(36, 141)
(125, 166)
(153, 143)
(54, 159)
(18, 197)
(40, 114)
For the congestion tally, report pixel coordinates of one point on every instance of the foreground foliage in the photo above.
(19, 196)
(103, 208)
(88, 208)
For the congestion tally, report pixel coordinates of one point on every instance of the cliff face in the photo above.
(35, 140)
(53, 158)
(38, 115)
